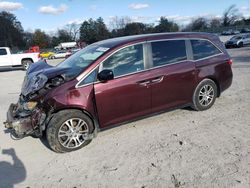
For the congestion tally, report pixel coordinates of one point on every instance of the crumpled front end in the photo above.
(29, 115)
(23, 123)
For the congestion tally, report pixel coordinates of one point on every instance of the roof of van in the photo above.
(110, 43)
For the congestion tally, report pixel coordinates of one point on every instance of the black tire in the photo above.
(241, 45)
(59, 122)
(204, 95)
(26, 63)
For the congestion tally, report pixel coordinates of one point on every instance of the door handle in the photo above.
(157, 79)
(144, 83)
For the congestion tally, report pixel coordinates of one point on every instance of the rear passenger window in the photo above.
(167, 52)
(3, 52)
(203, 48)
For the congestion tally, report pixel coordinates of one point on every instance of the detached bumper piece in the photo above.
(23, 126)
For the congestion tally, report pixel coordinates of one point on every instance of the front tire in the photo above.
(26, 64)
(204, 95)
(67, 131)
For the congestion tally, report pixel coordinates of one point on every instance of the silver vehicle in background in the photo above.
(60, 54)
(238, 41)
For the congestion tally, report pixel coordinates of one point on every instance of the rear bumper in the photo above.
(23, 126)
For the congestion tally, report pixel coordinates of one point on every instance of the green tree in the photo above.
(11, 31)
(93, 30)
(28, 38)
(197, 24)
(215, 23)
(54, 41)
(102, 31)
(87, 32)
(40, 39)
(135, 28)
(247, 21)
(166, 26)
(64, 35)
(117, 32)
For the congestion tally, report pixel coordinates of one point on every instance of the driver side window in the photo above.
(126, 61)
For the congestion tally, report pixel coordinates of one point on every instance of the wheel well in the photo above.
(93, 119)
(29, 59)
(217, 84)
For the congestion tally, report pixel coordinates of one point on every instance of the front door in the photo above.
(128, 95)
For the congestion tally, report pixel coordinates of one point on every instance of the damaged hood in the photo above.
(49, 71)
(39, 73)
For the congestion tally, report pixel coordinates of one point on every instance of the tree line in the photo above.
(93, 30)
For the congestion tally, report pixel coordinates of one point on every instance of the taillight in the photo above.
(230, 62)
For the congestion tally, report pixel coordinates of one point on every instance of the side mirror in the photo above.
(105, 75)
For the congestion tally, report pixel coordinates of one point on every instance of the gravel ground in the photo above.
(180, 148)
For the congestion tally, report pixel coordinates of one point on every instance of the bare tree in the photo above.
(119, 22)
(230, 15)
(73, 30)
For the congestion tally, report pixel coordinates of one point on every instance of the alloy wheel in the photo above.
(72, 133)
(206, 95)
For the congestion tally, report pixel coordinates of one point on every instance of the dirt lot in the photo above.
(181, 148)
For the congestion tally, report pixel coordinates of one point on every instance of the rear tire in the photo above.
(241, 45)
(66, 130)
(204, 95)
(26, 64)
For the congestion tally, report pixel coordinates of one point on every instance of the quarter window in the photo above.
(203, 48)
(3, 52)
(91, 78)
(125, 61)
(167, 52)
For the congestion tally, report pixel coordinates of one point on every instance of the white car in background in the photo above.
(7, 59)
(60, 54)
(238, 41)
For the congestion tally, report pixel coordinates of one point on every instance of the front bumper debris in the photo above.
(23, 126)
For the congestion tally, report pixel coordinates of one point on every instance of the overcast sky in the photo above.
(49, 15)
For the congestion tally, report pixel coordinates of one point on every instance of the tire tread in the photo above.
(55, 123)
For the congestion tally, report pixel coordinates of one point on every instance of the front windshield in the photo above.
(236, 38)
(82, 59)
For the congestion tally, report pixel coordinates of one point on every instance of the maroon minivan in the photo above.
(118, 80)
